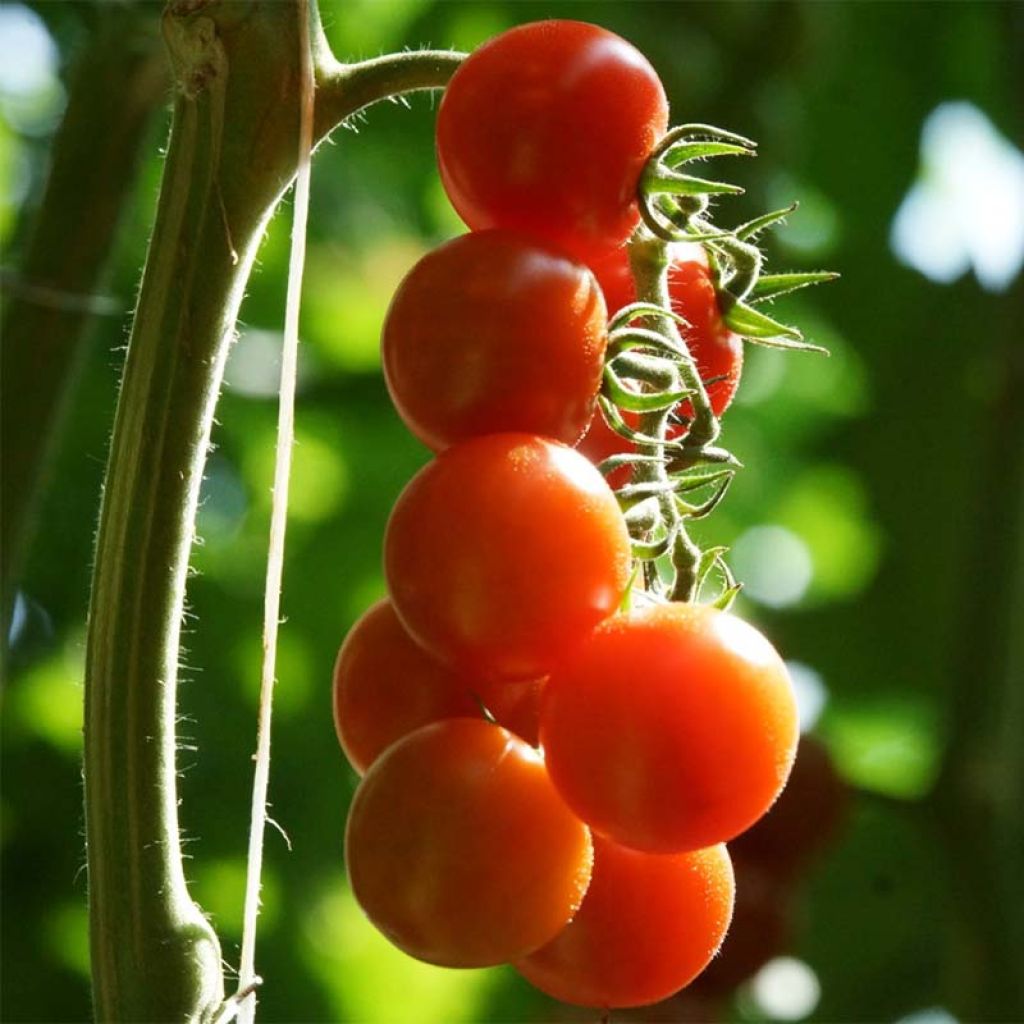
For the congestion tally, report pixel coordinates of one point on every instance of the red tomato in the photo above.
(716, 350)
(546, 128)
(672, 728)
(386, 685)
(648, 925)
(504, 553)
(761, 930)
(460, 850)
(494, 332)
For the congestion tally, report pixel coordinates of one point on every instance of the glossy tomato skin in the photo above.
(504, 553)
(460, 850)
(495, 332)
(671, 729)
(649, 924)
(386, 686)
(546, 128)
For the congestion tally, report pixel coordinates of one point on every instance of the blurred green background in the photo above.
(877, 523)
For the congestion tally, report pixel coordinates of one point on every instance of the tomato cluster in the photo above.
(550, 772)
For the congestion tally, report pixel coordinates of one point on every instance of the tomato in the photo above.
(648, 925)
(761, 929)
(715, 349)
(546, 128)
(494, 332)
(504, 553)
(460, 850)
(672, 728)
(386, 685)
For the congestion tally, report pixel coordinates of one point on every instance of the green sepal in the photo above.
(635, 401)
(673, 183)
(626, 603)
(625, 338)
(684, 152)
(707, 562)
(706, 508)
(642, 310)
(766, 220)
(614, 462)
(691, 457)
(702, 131)
(757, 326)
(648, 550)
(617, 424)
(725, 599)
(686, 482)
(770, 286)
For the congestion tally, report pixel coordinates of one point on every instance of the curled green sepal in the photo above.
(642, 310)
(714, 558)
(626, 338)
(770, 286)
(688, 132)
(648, 550)
(689, 511)
(616, 423)
(635, 401)
(691, 457)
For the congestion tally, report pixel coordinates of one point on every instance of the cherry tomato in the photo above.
(546, 128)
(386, 685)
(504, 553)
(761, 929)
(672, 728)
(716, 350)
(460, 850)
(495, 332)
(648, 925)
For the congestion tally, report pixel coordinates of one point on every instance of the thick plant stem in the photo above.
(232, 154)
(118, 81)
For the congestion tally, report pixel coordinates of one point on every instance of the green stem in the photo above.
(650, 261)
(232, 154)
(118, 81)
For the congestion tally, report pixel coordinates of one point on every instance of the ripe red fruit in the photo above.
(460, 850)
(504, 553)
(386, 686)
(495, 332)
(671, 729)
(648, 925)
(546, 128)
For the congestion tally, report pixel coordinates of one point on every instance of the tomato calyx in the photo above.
(674, 208)
(653, 394)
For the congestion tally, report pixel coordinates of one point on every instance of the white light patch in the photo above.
(931, 1015)
(774, 565)
(811, 693)
(966, 210)
(786, 989)
(28, 56)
